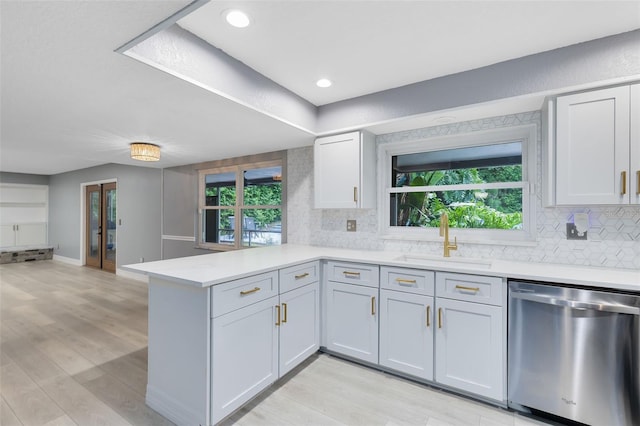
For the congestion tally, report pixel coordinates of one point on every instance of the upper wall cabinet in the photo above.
(597, 147)
(344, 171)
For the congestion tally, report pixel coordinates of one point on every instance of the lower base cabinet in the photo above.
(244, 356)
(352, 320)
(469, 347)
(406, 333)
(254, 346)
(299, 326)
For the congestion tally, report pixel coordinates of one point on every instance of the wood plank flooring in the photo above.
(73, 351)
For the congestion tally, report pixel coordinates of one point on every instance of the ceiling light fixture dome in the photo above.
(237, 18)
(324, 82)
(143, 151)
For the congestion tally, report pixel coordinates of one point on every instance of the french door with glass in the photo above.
(100, 242)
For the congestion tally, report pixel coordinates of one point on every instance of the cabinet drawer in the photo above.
(408, 280)
(299, 275)
(472, 288)
(353, 273)
(236, 294)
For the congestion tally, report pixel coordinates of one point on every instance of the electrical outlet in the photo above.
(351, 225)
(573, 234)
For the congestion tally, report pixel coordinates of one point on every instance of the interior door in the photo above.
(100, 243)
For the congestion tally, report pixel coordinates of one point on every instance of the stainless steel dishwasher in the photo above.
(574, 353)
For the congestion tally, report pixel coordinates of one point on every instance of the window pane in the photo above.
(489, 163)
(489, 209)
(219, 226)
(262, 227)
(220, 189)
(263, 187)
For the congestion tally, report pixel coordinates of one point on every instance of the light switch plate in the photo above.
(351, 225)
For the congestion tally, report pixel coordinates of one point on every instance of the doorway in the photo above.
(100, 242)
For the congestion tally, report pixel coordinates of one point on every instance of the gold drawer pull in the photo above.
(428, 316)
(355, 194)
(624, 182)
(461, 287)
(284, 308)
(355, 274)
(301, 276)
(403, 281)
(373, 305)
(245, 292)
(439, 317)
(638, 182)
(277, 314)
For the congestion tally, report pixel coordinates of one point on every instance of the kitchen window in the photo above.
(241, 206)
(482, 181)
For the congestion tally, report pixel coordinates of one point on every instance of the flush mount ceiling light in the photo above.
(237, 18)
(145, 151)
(323, 82)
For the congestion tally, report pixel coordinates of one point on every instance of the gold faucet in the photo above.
(444, 232)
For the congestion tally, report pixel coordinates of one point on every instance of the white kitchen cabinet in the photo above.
(597, 147)
(406, 333)
(344, 171)
(23, 215)
(470, 342)
(352, 320)
(299, 326)
(244, 355)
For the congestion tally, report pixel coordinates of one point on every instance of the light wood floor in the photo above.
(73, 351)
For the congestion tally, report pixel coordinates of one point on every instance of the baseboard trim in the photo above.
(172, 409)
(67, 260)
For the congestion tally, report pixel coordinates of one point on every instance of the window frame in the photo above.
(239, 206)
(526, 134)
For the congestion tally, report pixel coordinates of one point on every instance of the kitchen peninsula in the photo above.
(245, 318)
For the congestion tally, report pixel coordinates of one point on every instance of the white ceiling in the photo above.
(369, 46)
(69, 101)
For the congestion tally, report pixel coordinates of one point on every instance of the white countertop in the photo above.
(211, 269)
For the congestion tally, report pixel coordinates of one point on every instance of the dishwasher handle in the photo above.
(576, 304)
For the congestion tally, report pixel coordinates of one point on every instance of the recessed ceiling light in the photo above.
(323, 82)
(237, 18)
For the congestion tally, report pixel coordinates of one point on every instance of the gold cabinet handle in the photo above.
(624, 182)
(403, 281)
(428, 316)
(351, 273)
(277, 314)
(439, 317)
(461, 287)
(284, 311)
(373, 305)
(638, 182)
(253, 290)
(301, 276)
(355, 194)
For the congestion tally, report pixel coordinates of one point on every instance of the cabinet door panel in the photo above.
(592, 142)
(31, 234)
(244, 355)
(635, 145)
(352, 320)
(7, 235)
(469, 347)
(300, 333)
(406, 333)
(337, 170)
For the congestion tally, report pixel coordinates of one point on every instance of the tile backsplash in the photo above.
(613, 235)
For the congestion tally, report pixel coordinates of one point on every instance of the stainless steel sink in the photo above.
(457, 262)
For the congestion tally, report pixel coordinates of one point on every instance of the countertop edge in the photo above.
(289, 255)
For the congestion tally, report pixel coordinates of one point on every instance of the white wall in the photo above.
(614, 236)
